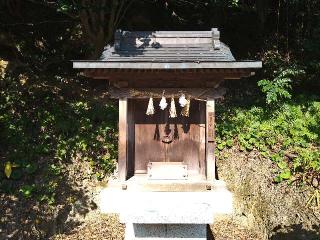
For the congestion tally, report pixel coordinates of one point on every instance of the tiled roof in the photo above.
(167, 46)
(167, 50)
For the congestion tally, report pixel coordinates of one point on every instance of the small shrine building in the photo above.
(167, 83)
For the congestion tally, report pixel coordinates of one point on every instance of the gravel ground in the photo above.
(108, 228)
(96, 227)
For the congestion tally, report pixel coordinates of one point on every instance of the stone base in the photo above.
(137, 204)
(166, 215)
(166, 231)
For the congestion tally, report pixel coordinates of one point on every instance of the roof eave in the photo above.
(166, 65)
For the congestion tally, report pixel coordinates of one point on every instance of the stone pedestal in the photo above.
(168, 208)
(167, 215)
(166, 231)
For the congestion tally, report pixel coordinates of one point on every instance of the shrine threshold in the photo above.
(182, 70)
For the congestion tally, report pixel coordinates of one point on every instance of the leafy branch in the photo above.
(279, 88)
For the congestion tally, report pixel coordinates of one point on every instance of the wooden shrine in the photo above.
(175, 65)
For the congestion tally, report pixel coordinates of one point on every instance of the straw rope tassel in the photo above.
(163, 103)
(173, 111)
(182, 100)
(150, 109)
(186, 109)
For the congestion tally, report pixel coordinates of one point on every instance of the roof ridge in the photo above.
(166, 37)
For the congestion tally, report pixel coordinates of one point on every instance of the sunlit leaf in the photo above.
(285, 174)
(8, 169)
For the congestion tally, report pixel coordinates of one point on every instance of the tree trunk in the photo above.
(99, 21)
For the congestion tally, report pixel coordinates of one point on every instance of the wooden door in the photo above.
(185, 134)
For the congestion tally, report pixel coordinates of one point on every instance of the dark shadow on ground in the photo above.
(209, 233)
(29, 218)
(296, 232)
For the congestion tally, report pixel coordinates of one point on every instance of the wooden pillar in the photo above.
(210, 140)
(123, 136)
(130, 138)
(202, 139)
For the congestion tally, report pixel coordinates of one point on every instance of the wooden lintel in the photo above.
(214, 84)
(195, 93)
(120, 84)
(199, 75)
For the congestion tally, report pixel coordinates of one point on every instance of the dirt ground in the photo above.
(263, 210)
(275, 211)
(108, 227)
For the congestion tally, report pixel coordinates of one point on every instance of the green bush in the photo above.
(279, 87)
(42, 128)
(289, 136)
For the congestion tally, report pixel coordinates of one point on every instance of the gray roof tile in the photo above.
(167, 46)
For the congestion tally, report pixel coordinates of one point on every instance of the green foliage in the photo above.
(45, 122)
(27, 190)
(279, 88)
(43, 129)
(288, 136)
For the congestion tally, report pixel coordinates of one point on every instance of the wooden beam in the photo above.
(196, 93)
(168, 75)
(123, 136)
(210, 140)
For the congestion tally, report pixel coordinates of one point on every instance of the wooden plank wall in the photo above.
(127, 144)
(187, 135)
